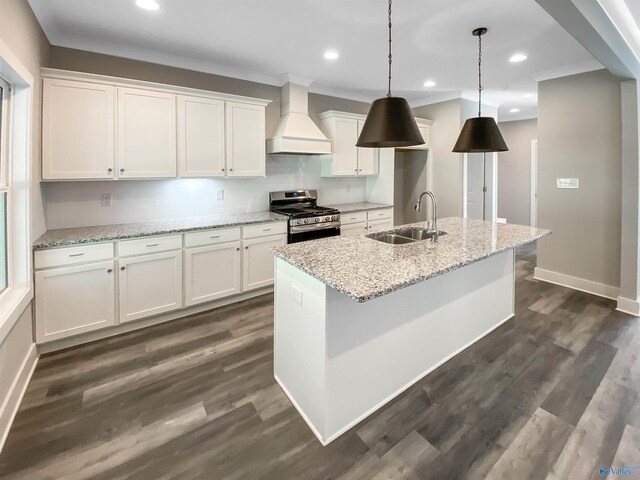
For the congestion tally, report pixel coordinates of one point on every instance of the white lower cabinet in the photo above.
(353, 229)
(150, 284)
(212, 272)
(257, 261)
(73, 300)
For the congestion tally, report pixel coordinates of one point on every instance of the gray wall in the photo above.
(447, 166)
(514, 171)
(410, 181)
(579, 135)
(20, 31)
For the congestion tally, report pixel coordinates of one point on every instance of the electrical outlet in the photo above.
(348, 187)
(567, 183)
(220, 195)
(106, 199)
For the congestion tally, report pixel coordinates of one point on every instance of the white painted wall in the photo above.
(79, 204)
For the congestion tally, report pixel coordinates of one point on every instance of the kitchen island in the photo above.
(357, 321)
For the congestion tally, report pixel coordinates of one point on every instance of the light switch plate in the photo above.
(106, 199)
(220, 195)
(296, 294)
(567, 183)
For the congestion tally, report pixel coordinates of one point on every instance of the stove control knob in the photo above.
(306, 220)
(334, 217)
(318, 219)
(299, 222)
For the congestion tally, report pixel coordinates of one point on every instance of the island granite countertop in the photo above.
(107, 233)
(364, 269)
(358, 207)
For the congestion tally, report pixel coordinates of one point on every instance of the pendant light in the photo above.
(390, 121)
(480, 134)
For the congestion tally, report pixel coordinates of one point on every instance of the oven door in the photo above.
(302, 233)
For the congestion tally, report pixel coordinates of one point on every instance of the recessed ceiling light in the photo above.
(429, 83)
(331, 55)
(518, 57)
(514, 110)
(148, 4)
(527, 95)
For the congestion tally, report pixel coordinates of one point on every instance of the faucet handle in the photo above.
(428, 225)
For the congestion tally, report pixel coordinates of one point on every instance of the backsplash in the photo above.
(79, 204)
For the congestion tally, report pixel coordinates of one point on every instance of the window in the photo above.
(5, 94)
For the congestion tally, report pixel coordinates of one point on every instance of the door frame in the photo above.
(534, 183)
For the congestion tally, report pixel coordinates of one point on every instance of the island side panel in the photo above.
(377, 349)
(299, 342)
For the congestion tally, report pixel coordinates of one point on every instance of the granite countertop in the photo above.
(358, 206)
(364, 269)
(106, 233)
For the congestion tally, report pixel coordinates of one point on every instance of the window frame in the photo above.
(5, 183)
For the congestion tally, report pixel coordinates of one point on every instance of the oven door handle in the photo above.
(314, 226)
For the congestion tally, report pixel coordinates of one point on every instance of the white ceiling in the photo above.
(263, 39)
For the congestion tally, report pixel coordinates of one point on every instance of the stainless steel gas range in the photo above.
(307, 220)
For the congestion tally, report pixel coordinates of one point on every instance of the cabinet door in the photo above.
(212, 272)
(78, 130)
(73, 300)
(367, 157)
(146, 134)
(245, 134)
(425, 131)
(345, 152)
(359, 228)
(150, 284)
(200, 137)
(257, 261)
(380, 225)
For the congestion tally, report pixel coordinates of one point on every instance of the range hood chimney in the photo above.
(296, 132)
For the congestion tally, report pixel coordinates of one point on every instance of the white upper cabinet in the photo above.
(146, 134)
(97, 128)
(347, 159)
(367, 157)
(425, 126)
(78, 130)
(246, 144)
(201, 138)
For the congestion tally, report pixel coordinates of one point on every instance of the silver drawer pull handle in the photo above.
(153, 245)
(266, 229)
(215, 236)
(76, 254)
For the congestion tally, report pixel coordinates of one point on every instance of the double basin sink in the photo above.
(405, 235)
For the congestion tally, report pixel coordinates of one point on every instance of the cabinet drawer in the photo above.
(264, 230)
(355, 217)
(211, 237)
(149, 245)
(359, 228)
(379, 214)
(73, 255)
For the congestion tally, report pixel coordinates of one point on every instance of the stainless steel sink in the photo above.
(391, 238)
(404, 235)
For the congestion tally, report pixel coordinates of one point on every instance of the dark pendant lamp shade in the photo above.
(390, 123)
(480, 135)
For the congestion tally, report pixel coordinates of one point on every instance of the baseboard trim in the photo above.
(382, 403)
(18, 388)
(627, 305)
(587, 286)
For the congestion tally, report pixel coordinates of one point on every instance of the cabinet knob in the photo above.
(356, 170)
(122, 268)
(237, 249)
(122, 170)
(109, 270)
(360, 170)
(231, 169)
(109, 170)
(222, 170)
(247, 247)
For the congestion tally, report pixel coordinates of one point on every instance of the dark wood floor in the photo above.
(553, 394)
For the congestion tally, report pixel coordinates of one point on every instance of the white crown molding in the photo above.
(295, 79)
(568, 70)
(516, 117)
(454, 95)
(340, 93)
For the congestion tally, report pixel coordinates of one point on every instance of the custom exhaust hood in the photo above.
(296, 132)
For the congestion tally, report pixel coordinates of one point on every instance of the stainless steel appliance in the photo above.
(307, 219)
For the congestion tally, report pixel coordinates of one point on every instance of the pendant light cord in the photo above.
(390, 60)
(480, 75)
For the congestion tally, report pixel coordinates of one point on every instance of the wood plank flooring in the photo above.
(551, 394)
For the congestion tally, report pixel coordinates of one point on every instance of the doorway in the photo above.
(534, 183)
(411, 178)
